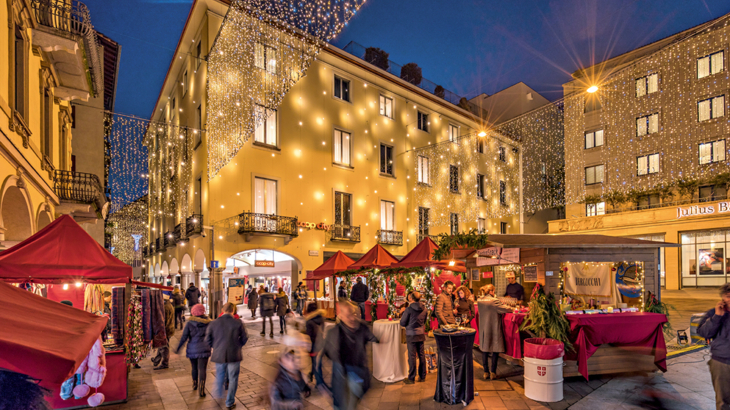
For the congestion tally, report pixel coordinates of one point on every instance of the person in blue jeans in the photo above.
(226, 336)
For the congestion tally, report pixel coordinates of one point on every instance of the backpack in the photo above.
(267, 303)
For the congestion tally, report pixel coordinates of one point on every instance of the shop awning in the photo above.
(376, 258)
(422, 255)
(337, 263)
(62, 252)
(44, 339)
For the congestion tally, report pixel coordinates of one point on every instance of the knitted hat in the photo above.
(197, 310)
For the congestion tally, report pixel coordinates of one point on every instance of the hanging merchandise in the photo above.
(135, 344)
(118, 315)
(159, 336)
(94, 299)
(90, 374)
(146, 315)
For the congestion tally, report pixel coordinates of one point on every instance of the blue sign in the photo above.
(627, 280)
(214, 264)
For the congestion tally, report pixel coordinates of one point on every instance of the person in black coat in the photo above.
(253, 302)
(414, 320)
(341, 291)
(192, 295)
(282, 306)
(267, 304)
(226, 336)
(315, 330)
(360, 294)
(715, 325)
(198, 351)
(289, 386)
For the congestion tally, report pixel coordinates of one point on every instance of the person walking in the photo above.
(444, 309)
(197, 351)
(314, 325)
(289, 386)
(464, 305)
(360, 294)
(715, 325)
(163, 353)
(253, 302)
(345, 346)
(341, 291)
(414, 320)
(282, 306)
(267, 302)
(192, 295)
(226, 336)
(301, 298)
(491, 334)
(178, 301)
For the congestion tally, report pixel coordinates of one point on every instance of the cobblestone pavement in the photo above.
(686, 385)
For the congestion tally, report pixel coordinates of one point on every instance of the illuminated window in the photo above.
(648, 124)
(265, 58)
(454, 179)
(386, 159)
(480, 186)
(647, 85)
(711, 64)
(386, 106)
(265, 191)
(593, 139)
(503, 154)
(594, 175)
(596, 209)
(342, 143)
(423, 170)
(423, 221)
(266, 132)
(711, 108)
(454, 224)
(647, 164)
(342, 89)
(423, 123)
(712, 152)
(502, 193)
(453, 133)
(387, 215)
(481, 225)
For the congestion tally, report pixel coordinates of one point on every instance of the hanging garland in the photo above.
(464, 240)
(134, 345)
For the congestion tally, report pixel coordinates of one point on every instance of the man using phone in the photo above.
(715, 325)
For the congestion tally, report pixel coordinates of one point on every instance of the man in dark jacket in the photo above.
(282, 305)
(341, 291)
(163, 353)
(289, 386)
(178, 301)
(267, 303)
(345, 346)
(226, 336)
(192, 295)
(315, 330)
(414, 320)
(360, 294)
(715, 325)
(444, 309)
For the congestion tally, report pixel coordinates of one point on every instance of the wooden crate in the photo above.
(612, 359)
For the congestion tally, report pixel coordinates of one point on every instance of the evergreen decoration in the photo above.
(654, 305)
(134, 345)
(411, 72)
(687, 187)
(465, 240)
(377, 57)
(545, 318)
(591, 199)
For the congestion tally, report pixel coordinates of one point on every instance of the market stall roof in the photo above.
(337, 263)
(152, 285)
(62, 252)
(422, 255)
(572, 241)
(377, 258)
(44, 339)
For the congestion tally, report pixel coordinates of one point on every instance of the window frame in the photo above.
(342, 213)
(342, 131)
(381, 101)
(593, 209)
(392, 203)
(712, 160)
(480, 185)
(424, 217)
(503, 228)
(481, 146)
(648, 170)
(503, 193)
(253, 196)
(603, 174)
(454, 223)
(502, 153)
(646, 81)
(592, 135)
(423, 121)
(342, 79)
(454, 128)
(266, 49)
(711, 102)
(265, 124)
(481, 225)
(647, 118)
(419, 170)
(709, 64)
(392, 159)
(455, 183)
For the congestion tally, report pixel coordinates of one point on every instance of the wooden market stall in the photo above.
(605, 271)
(337, 263)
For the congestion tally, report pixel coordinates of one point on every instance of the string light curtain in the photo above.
(128, 229)
(127, 158)
(263, 48)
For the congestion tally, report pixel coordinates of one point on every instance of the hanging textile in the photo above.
(135, 345)
(159, 337)
(118, 315)
(94, 299)
(146, 315)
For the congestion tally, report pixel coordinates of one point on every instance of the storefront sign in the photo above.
(497, 256)
(588, 280)
(263, 264)
(311, 225)
(530, 273)
(313, 253)
(696, 210)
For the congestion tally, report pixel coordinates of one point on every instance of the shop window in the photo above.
(596, 209)
(454, 179)
(711, 108)
(593, 139)
(712, 152)
(647, 85)
(386, 106)
(711, 64)
(704, 258)
(647, 124)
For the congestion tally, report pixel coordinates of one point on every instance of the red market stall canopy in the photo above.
(422, 255)
(337, 263)
(62, 252)
(376, 258)
(152, 285)
(44, 339)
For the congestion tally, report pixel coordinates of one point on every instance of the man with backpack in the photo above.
(267, 303)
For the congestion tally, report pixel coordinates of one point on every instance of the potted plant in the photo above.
(439, 91)
(377, 57)
(411, 72)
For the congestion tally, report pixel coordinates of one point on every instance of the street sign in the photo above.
(214, 264)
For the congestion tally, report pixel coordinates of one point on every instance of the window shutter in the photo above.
(641, 87)
(703, 110)
(641, 126)
(718, 106)
(653, 84)
(703, 67)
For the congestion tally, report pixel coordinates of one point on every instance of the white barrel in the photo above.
(544, 379)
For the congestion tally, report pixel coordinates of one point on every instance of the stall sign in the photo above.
(497, 256)
(588, 280)
(475, 274)
(530, 273)
(263, 264)
(487, 275)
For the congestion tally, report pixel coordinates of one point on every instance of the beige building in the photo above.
(646, 151)
(51, 58)
(352, 157)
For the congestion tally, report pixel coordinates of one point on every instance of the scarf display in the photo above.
(118, 315)
(146, 315)
(94, 299)
(135, 345)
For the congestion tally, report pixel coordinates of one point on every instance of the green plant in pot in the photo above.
(546, 319)
(411, 72)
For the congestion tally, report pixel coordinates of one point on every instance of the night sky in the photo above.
(467, 46)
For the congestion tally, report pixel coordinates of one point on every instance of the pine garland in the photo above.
(465, 240)
(654, 305)
(545, 318)
(134, 345)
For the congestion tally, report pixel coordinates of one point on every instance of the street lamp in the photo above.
(592, 89)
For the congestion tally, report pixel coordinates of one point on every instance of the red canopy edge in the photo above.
(151, 285)
(376, 258)
(337, 263)
(422, 256)
(62, 252)
(44, 339)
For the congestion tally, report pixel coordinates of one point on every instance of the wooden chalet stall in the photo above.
(632, 266)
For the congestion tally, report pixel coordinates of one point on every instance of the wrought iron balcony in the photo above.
(145, 251)
(79, 187)
(177, 234)
(344, 233)
(160, 244)
(194, 225)
(69, 16)
(170, 239)
(152, 248)
(250, 223)
(390, 237)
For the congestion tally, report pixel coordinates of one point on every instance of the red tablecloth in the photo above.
(382, 310)
(511, 326)
(588, 332)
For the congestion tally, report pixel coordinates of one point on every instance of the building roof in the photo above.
(573, 241)
(112, 52)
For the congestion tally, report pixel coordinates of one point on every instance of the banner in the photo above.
(497, 256)
(589, 280)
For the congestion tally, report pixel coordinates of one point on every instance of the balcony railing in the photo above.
(390, 237)
(344, 233)
(194, 225)
(159, 244)
(79, 187)
(152, 249)
(145, 251)
(170, 239)
(693, 200)
(250, 222)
